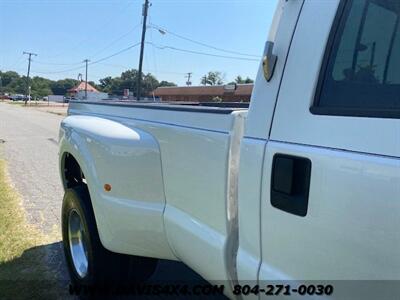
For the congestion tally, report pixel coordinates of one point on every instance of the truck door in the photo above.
(331, 179)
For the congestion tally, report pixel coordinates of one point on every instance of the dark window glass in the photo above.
(361, 73)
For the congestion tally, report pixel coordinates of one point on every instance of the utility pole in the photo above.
(204, 79)
(139, 81)
(28, 87)
(188, 76)
(86, 61)
(1, 88)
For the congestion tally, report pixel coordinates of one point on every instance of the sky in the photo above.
(65, 32)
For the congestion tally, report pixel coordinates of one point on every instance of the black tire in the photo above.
(104, 267)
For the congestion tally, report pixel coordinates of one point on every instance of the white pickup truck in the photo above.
(302, 185)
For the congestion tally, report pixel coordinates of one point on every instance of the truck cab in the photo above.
(328, 155)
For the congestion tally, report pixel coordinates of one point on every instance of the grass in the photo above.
(32, 103)
(56, 113)
(42, 106)
(16, 103)
(24, 251)
(15, 234)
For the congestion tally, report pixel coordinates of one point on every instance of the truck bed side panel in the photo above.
(129, 217)
(194, 149)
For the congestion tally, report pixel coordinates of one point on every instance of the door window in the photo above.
(360, 74)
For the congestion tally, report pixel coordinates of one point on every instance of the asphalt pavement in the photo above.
(31, 150)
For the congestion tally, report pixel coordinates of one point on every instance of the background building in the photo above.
(78, 92)
(222, 93)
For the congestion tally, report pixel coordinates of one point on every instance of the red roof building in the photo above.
(81, 87)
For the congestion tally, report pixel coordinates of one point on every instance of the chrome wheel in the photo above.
(77, 243)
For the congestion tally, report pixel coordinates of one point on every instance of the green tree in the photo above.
(8, 77)
(128, 80)
(11, 83)
(105, 84)
(239, 80)
(40, 87)
(213, 78)
(95, 85)
(17, 86)
(150, 83)
(166, 83)
(61, 87)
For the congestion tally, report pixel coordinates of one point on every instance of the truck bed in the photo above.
(216, 107)
(173, 169)
(209, 116)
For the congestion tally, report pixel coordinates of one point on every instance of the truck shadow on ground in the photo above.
(40, 273)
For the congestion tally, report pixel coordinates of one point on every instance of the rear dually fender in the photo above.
(129, 217)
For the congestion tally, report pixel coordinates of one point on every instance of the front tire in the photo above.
(89, 263)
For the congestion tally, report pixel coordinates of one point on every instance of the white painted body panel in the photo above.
(263, 99)
(194, 164)
(351, 229)
(112, 153)
(203, 121)
(249, 254)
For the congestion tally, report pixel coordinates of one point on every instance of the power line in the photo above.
(98, 52)
(115, 54)
(112, 65)
(154, 45)
(202, 53)
(56, 64)
(80, 66)
(153, 50)
(147, 70)
(163, 30)
(61, 71)
(17, 62)
(109, 21)
(92, 63)
(115, 41)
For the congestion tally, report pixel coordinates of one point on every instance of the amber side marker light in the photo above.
(107, 187)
